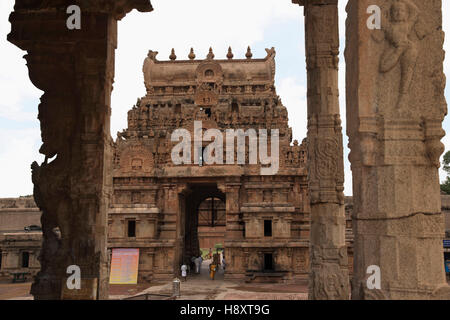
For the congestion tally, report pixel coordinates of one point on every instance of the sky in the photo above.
(177, 24)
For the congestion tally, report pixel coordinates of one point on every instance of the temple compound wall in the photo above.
(265, 217)
(20, 245)
(18, 213)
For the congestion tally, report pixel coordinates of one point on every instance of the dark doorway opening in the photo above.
(268, 262)
(25, 259)
(267, 228)
(131, 228)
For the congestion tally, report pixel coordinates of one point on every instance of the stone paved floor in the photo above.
(197, 287)
(201, 287)
(15, 291)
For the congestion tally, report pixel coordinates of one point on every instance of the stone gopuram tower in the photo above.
(156, 201)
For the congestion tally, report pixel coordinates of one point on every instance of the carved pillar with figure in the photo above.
(329, 264)
(395, 107)
(75, 69)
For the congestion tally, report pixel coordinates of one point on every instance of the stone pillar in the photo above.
(232, 208)
(170, 211)
(6, 264)
(329, 263)
(395, 106)
(75, 69)
(183, 192)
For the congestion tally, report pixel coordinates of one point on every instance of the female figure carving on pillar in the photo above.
(402, 20)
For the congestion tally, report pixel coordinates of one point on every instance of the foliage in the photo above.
(445, 187)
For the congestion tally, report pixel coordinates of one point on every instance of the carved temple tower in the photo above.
(155, 204)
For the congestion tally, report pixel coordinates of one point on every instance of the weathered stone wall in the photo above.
(15, 215)
(395, 107)
(208, 236)
(18, 213)
(12, 246)
(446, 210)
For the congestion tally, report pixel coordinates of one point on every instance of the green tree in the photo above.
(445, 187)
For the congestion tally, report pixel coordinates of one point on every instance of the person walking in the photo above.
(197, 265)
(216, 258)
(201, 261)
(223, 263)
(212, 271)
(184, 272)
(192, 264)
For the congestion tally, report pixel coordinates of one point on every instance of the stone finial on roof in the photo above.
(191, 54)
(249, 53)
(230, 54)
(152, 55)
(270, 53)
(173, 56)
(210, 55)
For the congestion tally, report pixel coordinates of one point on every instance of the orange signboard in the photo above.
(124, 266)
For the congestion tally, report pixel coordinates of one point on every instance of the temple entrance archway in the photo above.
(205, 219)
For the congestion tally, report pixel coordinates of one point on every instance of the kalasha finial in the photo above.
(210, 55)
(249, 53)
(192, 54)
(230, 54)
(173, 55)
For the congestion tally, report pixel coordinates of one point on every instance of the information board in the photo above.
(124, 266)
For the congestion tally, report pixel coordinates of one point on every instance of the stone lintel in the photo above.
(137, 187)
(140, 243)
(137, 211)
(280, 244)
(274, 185)
(267, 209)
(205, 171)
